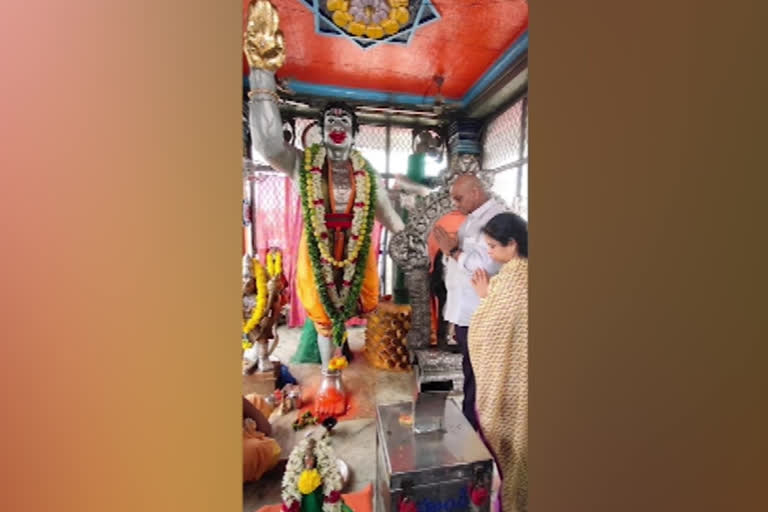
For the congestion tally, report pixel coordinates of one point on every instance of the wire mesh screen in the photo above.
(400, 148)
(525, 137)
(502, 140)
(505, 149)
(524, 192)
(269, 205)
(371, 141)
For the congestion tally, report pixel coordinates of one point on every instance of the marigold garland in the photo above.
(338, 363)
(339, 305)
(274, 263)
(261, 299)
(314, 164)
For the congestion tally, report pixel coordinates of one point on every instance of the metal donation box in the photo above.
(429, 471)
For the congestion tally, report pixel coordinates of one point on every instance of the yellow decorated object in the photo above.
(374, 31)
(309, 481)
(385, 345)
(341, 18)
(402, 16)
(338, 363)
(263, 41)
(397, 17)
(390, 26)
(261, 299)
(274, 263)
(356, 28)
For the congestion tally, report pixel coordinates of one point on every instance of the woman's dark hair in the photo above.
(506, 227)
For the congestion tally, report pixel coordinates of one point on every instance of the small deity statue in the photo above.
(263, 300)
(312, 482)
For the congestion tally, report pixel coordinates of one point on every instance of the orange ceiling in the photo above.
(461, 46)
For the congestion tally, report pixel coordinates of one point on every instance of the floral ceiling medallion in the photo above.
(368, 23)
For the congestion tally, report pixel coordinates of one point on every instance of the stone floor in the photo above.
(354, 440)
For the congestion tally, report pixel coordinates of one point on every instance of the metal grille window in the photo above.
(400, 148)
(375, 144)
(371, 141)
(505, 150)
(525, 132)
(502, 142)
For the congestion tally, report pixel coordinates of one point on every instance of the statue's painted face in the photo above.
(337, 128)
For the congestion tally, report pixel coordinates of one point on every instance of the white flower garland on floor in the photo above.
(326, 465)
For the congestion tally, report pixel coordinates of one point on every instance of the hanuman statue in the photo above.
(341, 194)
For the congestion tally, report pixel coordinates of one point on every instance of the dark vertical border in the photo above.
(648, 238)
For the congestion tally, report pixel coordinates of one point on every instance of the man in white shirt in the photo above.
(465, 253)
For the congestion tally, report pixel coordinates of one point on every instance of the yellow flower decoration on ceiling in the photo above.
(371, 18)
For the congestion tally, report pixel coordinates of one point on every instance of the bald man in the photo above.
(465, 253)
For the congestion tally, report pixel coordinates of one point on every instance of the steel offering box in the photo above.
(435, 470)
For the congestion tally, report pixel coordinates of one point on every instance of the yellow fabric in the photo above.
(260, 453)
(498, 349)
(310, 298)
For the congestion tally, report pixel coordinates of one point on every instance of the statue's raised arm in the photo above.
(341, 194)
(265, 50)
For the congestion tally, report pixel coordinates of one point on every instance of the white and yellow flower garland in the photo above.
(338, 304)
(327, 468)
(317, 218)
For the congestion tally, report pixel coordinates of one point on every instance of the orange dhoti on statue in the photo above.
(310, 297)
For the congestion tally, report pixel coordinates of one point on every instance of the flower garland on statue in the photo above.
(339, 305)
(299, 480)
(261, 302)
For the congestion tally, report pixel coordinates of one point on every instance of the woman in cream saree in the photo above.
(498, 347)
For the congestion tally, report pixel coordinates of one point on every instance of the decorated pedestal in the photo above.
(385, 337)
(448, 469)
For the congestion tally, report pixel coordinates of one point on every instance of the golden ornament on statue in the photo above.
(263, 44)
